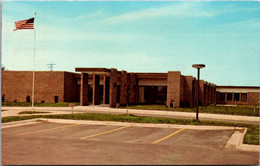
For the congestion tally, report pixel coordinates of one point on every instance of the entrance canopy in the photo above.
(109, 78)
(99, 71)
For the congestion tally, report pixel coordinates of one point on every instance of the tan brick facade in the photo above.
(173, 88)
(123, 88)
(188, 88)
(253, 98)
(237, 95)
(113, 87)
(17, 86)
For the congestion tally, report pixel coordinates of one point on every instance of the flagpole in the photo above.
(33, 63)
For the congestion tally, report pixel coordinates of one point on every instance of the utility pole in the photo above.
(50, 66)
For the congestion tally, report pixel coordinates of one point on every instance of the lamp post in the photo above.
(198, 66)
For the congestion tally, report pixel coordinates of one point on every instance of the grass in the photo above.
(230, 110)
(252, 136)
(29, 104)
(32, 112)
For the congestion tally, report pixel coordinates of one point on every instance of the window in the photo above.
(229, 96)
(222, 96)
(244, 97)
(236, 96)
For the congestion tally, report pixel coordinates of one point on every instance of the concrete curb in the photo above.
(92, 122)
(47, 112)
(236, 142)
(20, 123)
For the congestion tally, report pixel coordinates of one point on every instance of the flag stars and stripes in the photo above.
(24, 24)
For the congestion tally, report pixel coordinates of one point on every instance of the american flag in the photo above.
(24, 24)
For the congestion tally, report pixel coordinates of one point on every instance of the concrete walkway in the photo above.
(13, 111)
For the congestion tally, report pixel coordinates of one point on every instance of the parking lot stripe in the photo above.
(159, 140)
(39, 131)
(104, 132)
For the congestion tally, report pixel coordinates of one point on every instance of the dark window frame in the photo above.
(229, 96)
(222, 96)
(236, 96)
(244, 97)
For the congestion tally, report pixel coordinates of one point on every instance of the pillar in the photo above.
(201, 93)
(173, 88)
(214, 95)
(84, 89)
(240, 98)
(194, 91)
(225, 98)
(141, 94)
(123, 88)
(113, 88)
(210, 91)
(106, 90)
(233, 100)
(96, 89)
(132, 91)
(188, 97)
(208, 100)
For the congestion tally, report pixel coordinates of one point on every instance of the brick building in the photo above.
(110, 86)
(49, 86)
(238, 95)
(113, 87)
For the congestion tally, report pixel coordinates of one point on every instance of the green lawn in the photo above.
(252, 136)
(230, 110)
(28, 104)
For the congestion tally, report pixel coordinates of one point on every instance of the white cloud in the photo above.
(177, 10)
(95, 15)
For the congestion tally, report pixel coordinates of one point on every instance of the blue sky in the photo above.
(147, 36)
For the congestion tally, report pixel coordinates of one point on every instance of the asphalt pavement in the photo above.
(49, 143)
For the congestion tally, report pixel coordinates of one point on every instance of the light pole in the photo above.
(198, 66)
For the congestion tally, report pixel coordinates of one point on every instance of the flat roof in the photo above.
(152, 75)
(240, 87)
(92, 70)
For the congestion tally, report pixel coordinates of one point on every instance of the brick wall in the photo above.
(182, 89)
(17, 85)
(123, 90)
(70, 87)
(188, 97)
(253, 98)
(133, 89)
(194, 91)
(202, 92)
(173, 88)
(113, 88)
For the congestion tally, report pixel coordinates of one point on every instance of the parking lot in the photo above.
(83, 144)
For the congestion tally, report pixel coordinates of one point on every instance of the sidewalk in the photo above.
(13, 111)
